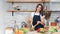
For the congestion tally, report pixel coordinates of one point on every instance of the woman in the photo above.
(37, 17)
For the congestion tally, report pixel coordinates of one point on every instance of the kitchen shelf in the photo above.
(22, 10)
(31, 1)
(28, 10)
(27, 1)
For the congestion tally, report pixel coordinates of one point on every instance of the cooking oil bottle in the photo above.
(16, 28)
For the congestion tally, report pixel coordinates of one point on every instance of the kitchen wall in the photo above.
(55, 0)
(54, 15)
(8, 19)
(1, 18)
(55, 6)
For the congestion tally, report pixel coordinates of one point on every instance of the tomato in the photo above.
(38, 30)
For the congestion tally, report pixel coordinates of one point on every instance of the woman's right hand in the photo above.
(38, 22)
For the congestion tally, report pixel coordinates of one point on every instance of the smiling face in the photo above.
(38, 8)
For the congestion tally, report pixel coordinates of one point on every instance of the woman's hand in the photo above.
(39, 22)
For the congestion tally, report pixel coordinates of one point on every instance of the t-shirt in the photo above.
(35, 13)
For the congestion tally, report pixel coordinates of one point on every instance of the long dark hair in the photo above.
(41, 12)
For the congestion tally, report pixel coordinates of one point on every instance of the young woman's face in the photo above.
(39, 8)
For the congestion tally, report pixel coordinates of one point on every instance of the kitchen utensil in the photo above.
(15, 26)
(23, 24)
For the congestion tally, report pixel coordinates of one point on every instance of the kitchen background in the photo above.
(6, 18)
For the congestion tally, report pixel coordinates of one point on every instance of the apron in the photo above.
(35, 19)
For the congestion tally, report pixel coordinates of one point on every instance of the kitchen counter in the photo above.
(34, 32)
(10, 31)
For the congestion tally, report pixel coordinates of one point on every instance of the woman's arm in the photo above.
(30, 19)
(42, 20)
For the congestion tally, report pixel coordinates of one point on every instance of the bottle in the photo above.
(16, 28)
